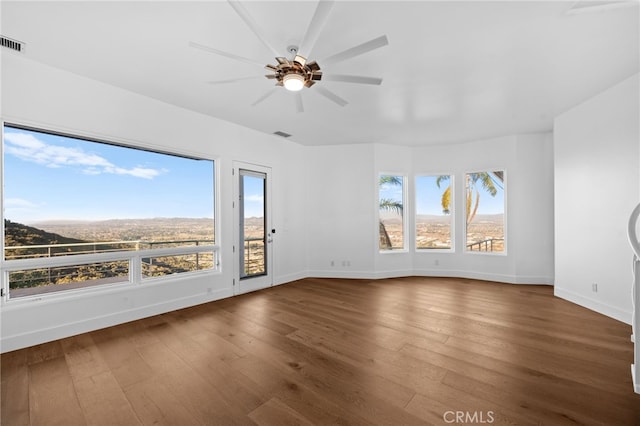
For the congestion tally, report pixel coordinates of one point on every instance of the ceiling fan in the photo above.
(298, 72)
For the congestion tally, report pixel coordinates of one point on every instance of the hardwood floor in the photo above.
(409, 351)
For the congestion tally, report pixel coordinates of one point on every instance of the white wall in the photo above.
(340, 206)
(597, 185)
(342, 182)
(45, 97)
(528, 164)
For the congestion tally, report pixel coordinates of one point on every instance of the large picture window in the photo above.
(485, 211)
(434, 212)
(391, 214)
(81, 213)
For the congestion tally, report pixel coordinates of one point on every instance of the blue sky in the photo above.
(49, 177)
(253, 196)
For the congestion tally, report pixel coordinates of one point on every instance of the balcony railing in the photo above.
(254, 261)
(51, 250)
(489, 245)
(37, 269)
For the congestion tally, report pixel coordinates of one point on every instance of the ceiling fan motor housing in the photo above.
(298, 68)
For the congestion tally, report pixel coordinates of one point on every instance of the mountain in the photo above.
(17, 234)
(146, 229)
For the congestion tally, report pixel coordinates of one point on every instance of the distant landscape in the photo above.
(433, 232)
(69, 237)
(153, 229)
(484, 228)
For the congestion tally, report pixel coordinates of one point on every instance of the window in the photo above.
(434, 212)
(391, 215)
(80, 213)
(485, 211)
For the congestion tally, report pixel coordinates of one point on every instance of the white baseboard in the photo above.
(357, 275)
(61, 331)
(284, 279)
(594, 305)
(502, 278)
(368, 275)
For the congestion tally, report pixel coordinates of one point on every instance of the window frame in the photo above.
(134, 257)
(452, 214)
(504, 219)
(405, 206)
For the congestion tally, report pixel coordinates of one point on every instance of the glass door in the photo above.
(254, 233)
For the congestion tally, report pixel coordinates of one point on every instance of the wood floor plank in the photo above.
(83, 357)
(293, 392)
(412, 350)
(329, 373)
(117, 346)
(52, 395)
(14, 375)
(103, 401)
(154, 404)
(275, 412)
(202, 400)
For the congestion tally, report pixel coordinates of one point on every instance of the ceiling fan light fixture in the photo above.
(293, 81)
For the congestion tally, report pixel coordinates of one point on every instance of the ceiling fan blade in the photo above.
(226, 54)
(358, 79)
(299, 107)
(315, 27)
(330, 95)
(234, 80)
(356, 50)
(263, 97)
(252, 24)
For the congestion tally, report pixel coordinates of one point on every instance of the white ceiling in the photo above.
(453, 71)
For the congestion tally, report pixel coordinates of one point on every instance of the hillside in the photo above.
(150, 229)
(17, 234)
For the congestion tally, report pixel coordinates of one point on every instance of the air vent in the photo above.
(283, 134)
(18, 46)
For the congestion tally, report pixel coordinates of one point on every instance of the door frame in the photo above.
(252, 283)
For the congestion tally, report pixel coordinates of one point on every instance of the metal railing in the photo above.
(487, 245)
(254, 257)
(54, 267)
(50, 250)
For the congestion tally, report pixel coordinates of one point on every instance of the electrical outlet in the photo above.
(333, 263)
(594, 287)
(436, 262)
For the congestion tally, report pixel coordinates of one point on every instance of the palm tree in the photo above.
(388, 205)
(490, 182)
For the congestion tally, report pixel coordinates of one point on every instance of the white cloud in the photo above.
(29, 148)
(141, 172)
(19, 203)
